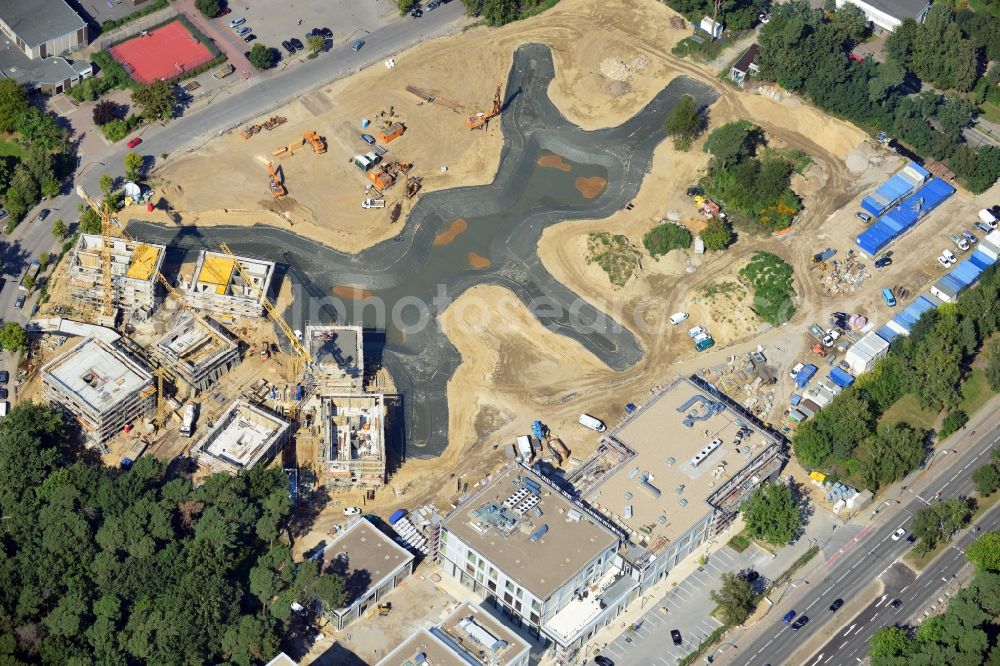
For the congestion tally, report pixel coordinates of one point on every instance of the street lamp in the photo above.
(711, 657)
(879, 507)
(934, 456)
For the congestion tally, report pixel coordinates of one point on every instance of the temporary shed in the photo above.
(913, 312)
(893, 190)
(887, 333)
(393, 131)
(905, 216)
(711, 27)
(805, 374)
(981, 260)
(990, 249)
(805, 408)
(875, 238)
(947, 289)
(863, 353)
(840, 377)
(967, 273)
(795, 416)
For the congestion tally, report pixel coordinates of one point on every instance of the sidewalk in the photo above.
(213, 31)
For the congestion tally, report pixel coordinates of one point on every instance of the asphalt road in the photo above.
(848, 572)
(920, 596)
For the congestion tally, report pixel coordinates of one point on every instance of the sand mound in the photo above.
(617, 69)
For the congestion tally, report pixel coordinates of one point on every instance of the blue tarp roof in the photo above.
(805, 374)
(902, 322)
(915, 310)
(967, 272)
(894, 189)
(951, 283)
(910, 211)
(982, 260)
(840, 377)
(887, 334)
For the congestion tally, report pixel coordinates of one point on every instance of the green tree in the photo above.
(663, 238)
(936, 368)
(22, 194)
(733, 142)
(772, 514)
(13, 102)
(40, 129)
(104, 111)
(734, 598)
(894, 451)
(987, 479)
(684, 122)
(106, 183)
(939, 520)
(993, 366)
(953, 422)
(157, 99)
(115, 130)
(315, 43)
(985, 552)
(133, 166)
(888, 643)
(405, 6)
(771, 280)
(12, 337)
(208, 8)
(59, 229)
(716, 235)
(261, 57)
(39, 163)
(90, 221)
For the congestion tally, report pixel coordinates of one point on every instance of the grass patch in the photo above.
(976, 391)
(10, 147)
(663, 238)
(614, 254)
(705, 644)
(908, 409)
(990, 112)
(740, 542)
(799, 160)
(705, 51)
(917, 562)
(803, 560)
(724, 288)
(771, 280)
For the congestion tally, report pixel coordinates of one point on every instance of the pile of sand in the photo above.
(617, 69)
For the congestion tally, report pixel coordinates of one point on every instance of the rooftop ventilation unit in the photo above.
(683, 502)
(705, 452)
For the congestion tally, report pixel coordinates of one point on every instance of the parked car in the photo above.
(3, 394)
(4, 376)
(19, 303)
(864, 217)
(889, 297)
(434, 4)
(237, 21)
(134, 141)
(223, 12)
(944, 262)
(249, 38)
(675, 636)
(326, 32)
(43, 213)
(896, 603)
(788, 617)
(799, 623)
(982, 226)
(368, 138)
(3, 214)
(764, 18)
(949, 255)
(678, 317)
(352, 511)
(883, 262)
(960, 242)
(969, 236)
(287, 45)
(417, 13)
(898, 534)
(835, 606)
(297, 43)
(356, 46)
(601, 660)
(245, 30)
(694, 191)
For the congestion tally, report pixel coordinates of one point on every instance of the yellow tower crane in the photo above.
(104, 211)
(301, 352)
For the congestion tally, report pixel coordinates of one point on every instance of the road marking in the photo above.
(828, 659)
(827, 590)
(849, 629)
(817, 659)
(860, 629)
(884, 597)
(843, 644)
(903, 590)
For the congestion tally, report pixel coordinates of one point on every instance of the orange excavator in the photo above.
(481, 120)
(277, 188)
(317, 142)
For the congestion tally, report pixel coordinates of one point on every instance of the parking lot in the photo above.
(274, 23)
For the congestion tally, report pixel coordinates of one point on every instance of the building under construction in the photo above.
(338, 358)
(101, 386)
(244, 436)
(197, 352)
(218, 285)
(134, 267)
(353, 440)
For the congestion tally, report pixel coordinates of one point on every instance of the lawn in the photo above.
(975, 391)
(9, 147)
(990, 112)
(908, 409)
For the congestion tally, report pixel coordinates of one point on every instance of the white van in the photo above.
(588, 421)
(678, 317)
(4, 407)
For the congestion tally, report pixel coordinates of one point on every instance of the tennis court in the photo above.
(165, 53)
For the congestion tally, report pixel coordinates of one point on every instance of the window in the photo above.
(518, 592)
(509, 586)
(535, 606)
(492, 584)
(534, 618)
(507, 597)
(517, 605)
(470, 569)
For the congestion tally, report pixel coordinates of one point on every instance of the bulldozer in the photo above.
(482, 120)
(317, 142)
(274, 180)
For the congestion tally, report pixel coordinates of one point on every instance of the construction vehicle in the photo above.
(373, 203)
(317, 142)
(104, 211)
(482, 120)
(300, 351)
(269, 124)
(385, 608)
(274, 180)
(381, 178)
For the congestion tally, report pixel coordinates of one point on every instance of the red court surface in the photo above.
(164, 53)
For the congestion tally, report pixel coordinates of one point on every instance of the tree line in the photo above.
(807, 51)
(932, 362)
(966, 633)
(140, 566)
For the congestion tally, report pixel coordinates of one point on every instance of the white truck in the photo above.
(988, 218)
(373, 203)
(187, 426)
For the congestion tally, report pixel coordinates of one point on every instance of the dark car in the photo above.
(434, 4)
(326, 32)
(693, 191)
(417, 13)
(751, 575)
(368, 138)
(836, 604)
(799, 623)
(3, 213)
(601, 660)
(249, 38)
(356, 46)
(675, 636)
(788, 617)
(883, 262)
(896, 603)
(43, 213)
(297, 43)
(4, 376)
(222, 12)
(3, 394)
(288, 46)
(19, 303)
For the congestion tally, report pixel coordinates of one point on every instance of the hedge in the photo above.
(154, 6)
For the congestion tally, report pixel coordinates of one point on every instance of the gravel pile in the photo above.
(617, 69)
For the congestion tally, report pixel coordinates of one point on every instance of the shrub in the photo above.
(717, 236)
(771, 279)
(261, 57)
(953, 422)
(115, 130)
(666, 237)
(104, 112)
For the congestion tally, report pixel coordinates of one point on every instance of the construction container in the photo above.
(392, 132)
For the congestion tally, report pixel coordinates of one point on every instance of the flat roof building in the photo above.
(339, 357)
(197, 353)
(134, 267)
(42, 28)
(217, 285)
(526, 547)
(371, 564)
(101, 386)
(353, 440)
(470, 636)
(244, 436)
(887, 15)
